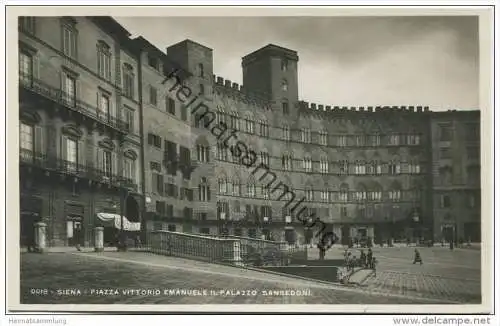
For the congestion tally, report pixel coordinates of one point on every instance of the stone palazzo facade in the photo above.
(102, 132)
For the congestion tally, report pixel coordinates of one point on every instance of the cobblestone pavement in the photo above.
(454, 275)
(72, 278)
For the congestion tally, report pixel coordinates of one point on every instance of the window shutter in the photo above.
(63, 151)
(134, 171)
(39, 140)
(78, 92)
(160, 184)
(208, 193)
(114, 165)
(81, 154)
(112, 110)
(154, 183)
(36, 68)
(98, 105)
(61, 81)
(98, 165)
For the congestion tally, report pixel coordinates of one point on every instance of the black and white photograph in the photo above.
(267, 159)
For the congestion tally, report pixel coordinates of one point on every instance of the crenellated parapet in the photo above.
(230, 88)
(306, 106)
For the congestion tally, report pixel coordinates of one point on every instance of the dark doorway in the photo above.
(27, 228)
(346, 234)
(308, 236)
(290, 236)
(448, 233)
(132, 210)
(31, 210)
(74, 230)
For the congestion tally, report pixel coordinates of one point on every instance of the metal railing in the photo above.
(193, 246)
(71, 101)
(54, 163)
(259, 252)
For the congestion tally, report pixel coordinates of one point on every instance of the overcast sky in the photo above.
(348, 61)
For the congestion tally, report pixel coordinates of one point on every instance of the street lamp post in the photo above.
(123, 198)
(266, 220)
(223, 223)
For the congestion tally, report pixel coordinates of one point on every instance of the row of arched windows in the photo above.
(262, 128)
(360, 193)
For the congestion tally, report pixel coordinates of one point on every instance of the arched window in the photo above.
(202, 150)
(130, 166)
(395, 192)
(344, 192)
(323, 164)
(263, 128)
(236, 186)
(222, 151)
(249, 125)
(264, 158)
(309, 193)
(266, 191)
(325, 195)
(128, 80)
(251, 189)
(375, 193)
(323, 138)
(286, 132)
(284, 64)
(285, 107)
(104, 60)
(360, 194)
(287, 162)
(234, 121)
(221, 116)
(222, 186)
(284, 85)
(204, 190)
(307, 164)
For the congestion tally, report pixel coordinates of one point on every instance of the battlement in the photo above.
(232, 87)
(328, 108)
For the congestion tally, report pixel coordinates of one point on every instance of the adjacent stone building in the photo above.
(80, 144)
(456, 175)
(114, 124)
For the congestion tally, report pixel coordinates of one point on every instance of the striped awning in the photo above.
(115, 220)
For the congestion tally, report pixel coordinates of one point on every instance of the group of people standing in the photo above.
(366, 260)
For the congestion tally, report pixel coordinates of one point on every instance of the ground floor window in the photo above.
(290, 236)
(205, 230)
(171, 228)
(74, 230)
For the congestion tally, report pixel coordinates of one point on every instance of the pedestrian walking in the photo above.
(322, 251)
(374, 266)
(362, 258)
(30, 235)
(417, 258)
(77, 236)
(137, 241)
(369, 256)
(346, 259)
